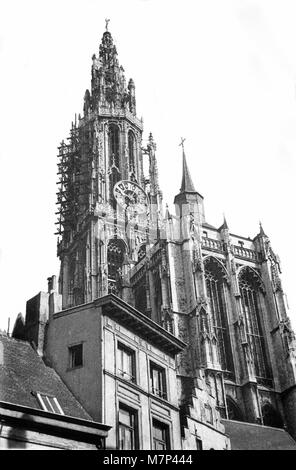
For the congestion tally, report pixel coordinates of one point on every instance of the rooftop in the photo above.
(23, 374)
(132, 318)
(249, 436)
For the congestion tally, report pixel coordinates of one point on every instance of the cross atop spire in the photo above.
(107, 20)
(182, 142)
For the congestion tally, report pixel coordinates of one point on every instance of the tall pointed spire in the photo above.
(188, 197)
(187, 183)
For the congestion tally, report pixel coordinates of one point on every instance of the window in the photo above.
(128, 428)
(218, 315)
(75, 356)
(209, 414)
(113, 145)
(233, 410)
(131, 151)
(115, 258)
(114, 165)
(158, 382)
(249, 290)
(126, 363)
(198, 443)
(49, 403)
(161, 439)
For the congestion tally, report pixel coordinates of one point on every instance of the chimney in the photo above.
(55, 299)
(36, 319)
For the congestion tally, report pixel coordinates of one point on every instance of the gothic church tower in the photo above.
(103, 196)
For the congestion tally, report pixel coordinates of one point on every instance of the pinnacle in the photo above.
(262, 233)
(167, 212)
(224, 225)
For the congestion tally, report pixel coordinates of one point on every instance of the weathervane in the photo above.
(107, 21)
(182, 143)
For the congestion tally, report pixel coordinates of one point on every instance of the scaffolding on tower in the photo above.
(75, 179)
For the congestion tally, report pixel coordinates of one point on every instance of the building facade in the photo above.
(215, 296)
(125, 374)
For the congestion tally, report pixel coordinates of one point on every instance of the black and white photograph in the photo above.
(148, 168)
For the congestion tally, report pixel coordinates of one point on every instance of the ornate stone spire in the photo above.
(107, 51)
(108, 85)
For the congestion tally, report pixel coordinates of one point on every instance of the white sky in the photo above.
(221, 73)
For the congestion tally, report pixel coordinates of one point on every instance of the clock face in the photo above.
(130, 196)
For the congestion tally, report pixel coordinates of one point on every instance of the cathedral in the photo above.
(169, 330)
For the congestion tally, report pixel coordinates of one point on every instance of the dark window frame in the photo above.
(160, 390)
(198, 443)
(165, 441)
(122, 348)
(74, 363)
(132, 428)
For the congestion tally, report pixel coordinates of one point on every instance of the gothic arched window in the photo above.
(214, 275)
(115, 258)
(131, 150)
(113, 142)
(114, 161)
(233, 410)
(249, 284)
